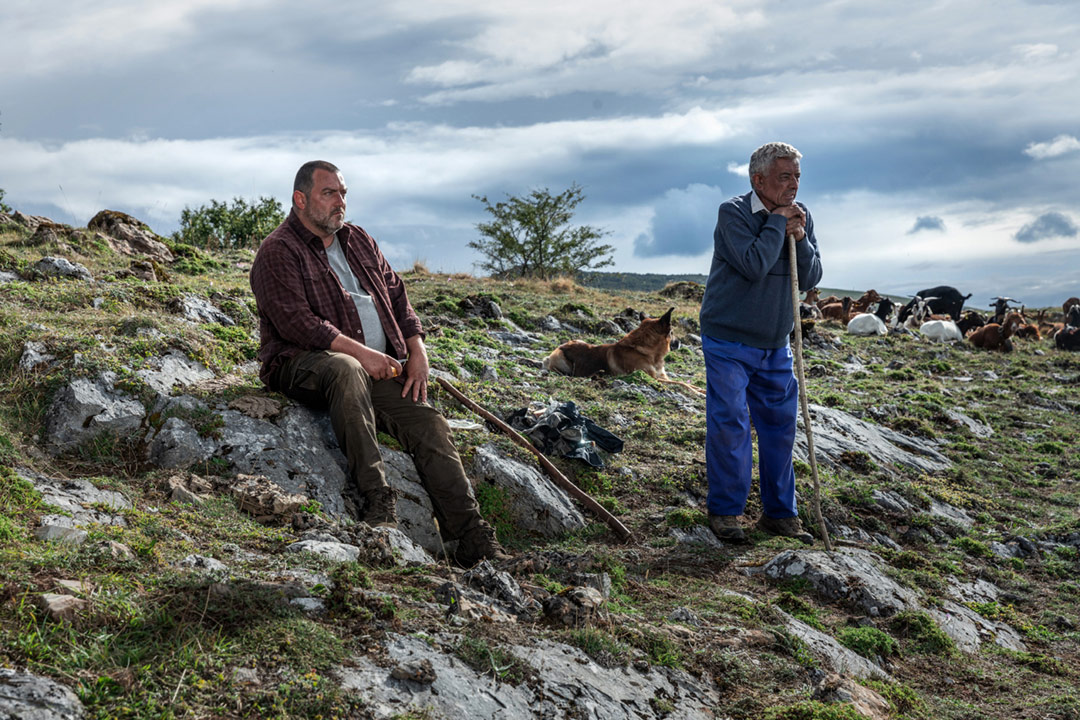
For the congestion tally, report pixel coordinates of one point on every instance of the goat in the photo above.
(1030, 330)
(828, 300)
(1069, 305)
(920, 313)
(1067, 338)
(941, 331)
(808, 309)
(995, 336)
(875, 323)
(837, 310)
(1001, 308)
(970, 321)
(943, 300)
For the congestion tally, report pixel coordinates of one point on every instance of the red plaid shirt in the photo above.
(302, 305)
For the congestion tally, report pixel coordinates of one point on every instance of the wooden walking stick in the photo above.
(552, 471)
(793, 262)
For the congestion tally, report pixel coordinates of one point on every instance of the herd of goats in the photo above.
(938, 314)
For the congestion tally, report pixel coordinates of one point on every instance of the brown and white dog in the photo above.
(644, 348)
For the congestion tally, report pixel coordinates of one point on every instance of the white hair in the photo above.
(764, 156)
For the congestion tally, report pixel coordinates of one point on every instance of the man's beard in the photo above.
(329, 224)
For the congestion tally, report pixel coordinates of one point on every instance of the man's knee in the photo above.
(340, 369)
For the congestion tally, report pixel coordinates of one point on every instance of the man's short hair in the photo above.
(305, 176)
(764, 156)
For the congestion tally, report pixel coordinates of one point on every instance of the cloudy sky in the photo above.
(941, 140)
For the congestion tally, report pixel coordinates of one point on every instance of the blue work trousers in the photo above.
(738, 377)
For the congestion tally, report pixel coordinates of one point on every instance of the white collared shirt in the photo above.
(756, 205)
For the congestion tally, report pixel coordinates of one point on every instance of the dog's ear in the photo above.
(665, 319)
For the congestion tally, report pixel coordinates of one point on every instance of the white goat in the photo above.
(941, 331)
(867, 324)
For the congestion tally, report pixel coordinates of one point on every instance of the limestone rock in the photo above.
(58, 267)
(86, 408)
(502, 586)
(574, 607)
(836, 432)
(395, 547)
(869, 704)
(61, 534)
(202, 562)
(77, 496)
(852, 576)
(130, 236)
(25, 696)
(60, 608)
(199, 310)
(835, 655)
(34, 355)
(171, 370)
(177, 445)
(538, 506)
(338, 552)
(567, 684)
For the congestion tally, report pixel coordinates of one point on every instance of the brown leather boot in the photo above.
(380, 507)
(479, 544)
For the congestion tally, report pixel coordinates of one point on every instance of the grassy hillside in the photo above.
(162, 643)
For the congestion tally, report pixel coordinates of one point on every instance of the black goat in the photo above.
(943, 300)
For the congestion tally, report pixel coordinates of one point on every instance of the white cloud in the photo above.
(1037, 51)
(1060, 145)
(393, 166)
(42, 37)
(741, 170)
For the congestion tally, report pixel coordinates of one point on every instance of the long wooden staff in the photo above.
(793, 262)
(559, 479)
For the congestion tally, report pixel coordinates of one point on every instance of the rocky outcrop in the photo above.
(129, 236)
(564, 682)
(853, 577)
(27, 696)
(60, 268)
(199, 310)
(535, 503)
(85, 408)
(836, 433)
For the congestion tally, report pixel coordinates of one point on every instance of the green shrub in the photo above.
(922, 634)
(220, 225)
(868, 641)
(685, 517)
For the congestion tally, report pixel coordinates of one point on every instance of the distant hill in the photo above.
(646, 282)
(634, 281)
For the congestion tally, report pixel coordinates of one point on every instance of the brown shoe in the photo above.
(380, 507)
(479, 544)
(785, 527)
(727, 528)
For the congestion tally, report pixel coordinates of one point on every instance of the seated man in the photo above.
(334, 318)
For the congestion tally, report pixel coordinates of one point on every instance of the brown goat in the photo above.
(838, 310)
(993, 336)
(827, 301)
(1068, 304)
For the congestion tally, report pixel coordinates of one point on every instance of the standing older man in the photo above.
(746, 318)
(334, 319)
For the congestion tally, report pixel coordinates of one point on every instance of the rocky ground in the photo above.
(177, 542)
